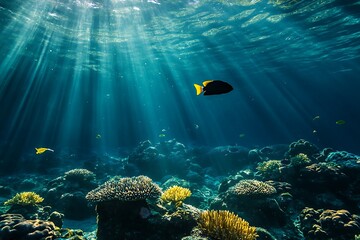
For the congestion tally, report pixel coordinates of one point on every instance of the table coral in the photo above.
(221, 225)
(120, 206)
(126, 189)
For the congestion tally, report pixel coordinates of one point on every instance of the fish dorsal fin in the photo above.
(207, 82)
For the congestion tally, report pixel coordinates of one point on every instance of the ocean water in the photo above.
(94, 78)
(125, 70)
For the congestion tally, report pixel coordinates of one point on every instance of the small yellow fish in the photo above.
(242, 135)
(162, 135)
(316, 118)
(340, 122)
(98, 136)
(42, 150)
(314, 131)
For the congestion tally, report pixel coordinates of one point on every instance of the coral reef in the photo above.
(347, 161)
(270, 194)
(221, 225)
(329, 224)
(323, 176)
(14, 226)
(300, 160)
(175, 223)
(56, 218)
(341, 156)
(122, 208)
(74, 205)
(175, 195)
(25, 199)
(302, 146)
(79, 175)
(126, 189)
(72, 234)
(67, 193)
(154, 160)
(254, 200)
(270, 169)
(280, 187)
(231, 158)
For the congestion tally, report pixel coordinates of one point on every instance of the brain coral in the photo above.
(14, 226)
(329, 224)
(252, 187)
(225, 225)
(125, 189)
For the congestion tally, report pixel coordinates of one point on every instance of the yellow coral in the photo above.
(176, 194)
(24, 199)
(225, 225)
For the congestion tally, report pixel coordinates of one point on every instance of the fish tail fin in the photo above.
(199, 89)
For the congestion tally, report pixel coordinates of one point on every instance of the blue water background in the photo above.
(124, 71)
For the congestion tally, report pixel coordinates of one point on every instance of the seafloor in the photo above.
(286, 191)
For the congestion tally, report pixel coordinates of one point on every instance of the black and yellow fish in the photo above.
(213, 87)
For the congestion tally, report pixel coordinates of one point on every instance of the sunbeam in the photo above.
(124, 70)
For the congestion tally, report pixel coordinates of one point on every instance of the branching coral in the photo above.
(300, 160)
(25, 199)
(225, 225)
(126, 189)
(270, 169)
(176, 195)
